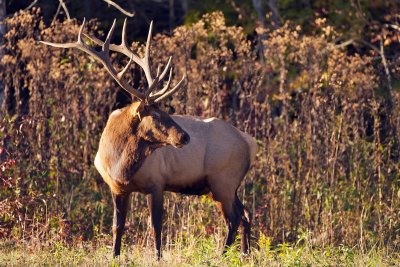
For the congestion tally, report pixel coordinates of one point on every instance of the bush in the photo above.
(328, 161)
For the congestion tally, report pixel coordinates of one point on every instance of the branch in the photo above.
(345, 43)
(129, 14)
(31, 5)
(64, 6)
(276, 17)
(382, 55)
(57, 12)
(384, 62)
(260, 12)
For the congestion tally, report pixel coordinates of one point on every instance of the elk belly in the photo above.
(198, 187)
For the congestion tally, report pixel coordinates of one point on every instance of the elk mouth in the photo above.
(184, 140)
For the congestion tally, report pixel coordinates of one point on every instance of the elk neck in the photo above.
(123, 147)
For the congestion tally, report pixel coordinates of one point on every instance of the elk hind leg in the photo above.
(232, 219)
(245, 226)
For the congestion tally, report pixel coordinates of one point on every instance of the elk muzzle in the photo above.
(185, 139)
(178, 137)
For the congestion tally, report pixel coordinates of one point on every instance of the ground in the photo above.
(202, 251)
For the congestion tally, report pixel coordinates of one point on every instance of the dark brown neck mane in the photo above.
(124, 145)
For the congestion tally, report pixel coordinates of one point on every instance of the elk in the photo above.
(143, 149)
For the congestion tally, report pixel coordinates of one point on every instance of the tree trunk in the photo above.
(2, 17)
(185, 6)
(3, 30)
(260, 12)
(275, 16)
(171, 15)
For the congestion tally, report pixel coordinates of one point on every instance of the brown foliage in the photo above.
(328, 161)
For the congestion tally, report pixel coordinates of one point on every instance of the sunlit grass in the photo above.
(203, 251)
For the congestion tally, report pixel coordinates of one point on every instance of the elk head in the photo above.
(151, 123)
(158, 128)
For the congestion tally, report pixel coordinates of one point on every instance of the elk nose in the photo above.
(185, 139)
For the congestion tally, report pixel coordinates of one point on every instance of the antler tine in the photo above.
(80, 41)
(142, 62)
(122, 72)
(124, 41)
(106, 46)
(166, 87)
(173, 90)
(146, 62)
(103, 57)
(148, 42)
(151, 88)
(158, 78)
(152, 83)
(158, 71)
(166, 68)
(123, 48)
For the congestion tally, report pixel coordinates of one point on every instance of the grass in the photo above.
(193, 252)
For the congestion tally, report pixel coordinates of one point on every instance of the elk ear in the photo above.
(137, 108)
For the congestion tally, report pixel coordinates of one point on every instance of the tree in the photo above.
(2, 32)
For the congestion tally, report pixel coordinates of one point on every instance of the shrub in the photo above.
(328, 161)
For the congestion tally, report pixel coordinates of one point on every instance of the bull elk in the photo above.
(143, 149)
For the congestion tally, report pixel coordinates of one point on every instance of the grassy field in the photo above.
(195, 252)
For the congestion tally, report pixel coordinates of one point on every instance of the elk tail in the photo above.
(252, 146)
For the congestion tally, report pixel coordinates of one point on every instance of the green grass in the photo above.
(194, 252)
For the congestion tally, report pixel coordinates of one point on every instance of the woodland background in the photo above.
(315, 82)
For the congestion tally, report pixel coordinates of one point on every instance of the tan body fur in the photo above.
(217, 156)
(137, 154)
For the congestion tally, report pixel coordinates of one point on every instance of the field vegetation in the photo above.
(200, 251)
(325, 187)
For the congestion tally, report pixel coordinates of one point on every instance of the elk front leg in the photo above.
(120, 208)
(155, 202)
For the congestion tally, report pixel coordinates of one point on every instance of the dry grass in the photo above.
(328, 134)
(194, 252)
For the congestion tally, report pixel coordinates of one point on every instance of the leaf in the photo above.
(63, 61)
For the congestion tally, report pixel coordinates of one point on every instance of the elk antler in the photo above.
(103, 56)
